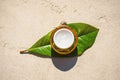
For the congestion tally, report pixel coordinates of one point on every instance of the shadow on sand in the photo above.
(61, 62)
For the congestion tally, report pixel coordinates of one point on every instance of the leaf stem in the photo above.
(23, 51)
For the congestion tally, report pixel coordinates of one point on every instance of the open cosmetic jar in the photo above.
(63, 40)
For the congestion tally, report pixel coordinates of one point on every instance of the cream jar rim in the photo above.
(65, 46)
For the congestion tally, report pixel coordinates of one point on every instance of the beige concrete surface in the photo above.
(23, 22)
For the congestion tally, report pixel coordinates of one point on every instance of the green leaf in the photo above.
(86, 37)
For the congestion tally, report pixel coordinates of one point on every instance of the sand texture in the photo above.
(23, 22)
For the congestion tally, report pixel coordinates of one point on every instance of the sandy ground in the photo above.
(23, 22)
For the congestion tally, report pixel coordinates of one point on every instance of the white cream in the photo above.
(63, 38)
